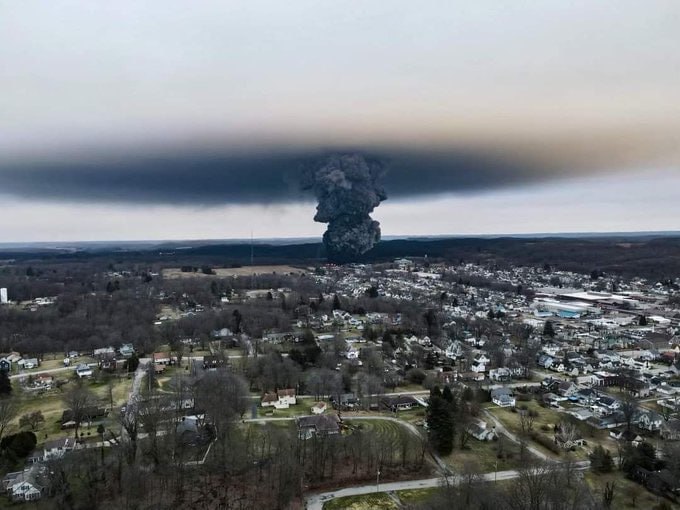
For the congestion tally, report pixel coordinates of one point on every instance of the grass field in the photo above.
(484, 455)
(415, 496)
(365, 502)
(225, 272)
(51, 404)
(625, 491)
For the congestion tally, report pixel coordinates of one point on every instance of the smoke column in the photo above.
(347, 188)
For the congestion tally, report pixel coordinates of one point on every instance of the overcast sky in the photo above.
(168, 119)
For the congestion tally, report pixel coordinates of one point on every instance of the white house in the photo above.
(500, 374)
(479, 363)
(83, 370)
(502, 397)
(24, 485)
(480, 431)
(352, 353)
(650, 420)
(56, 448)
(454, 350)
(319, 408)
(282, 399)
(28, 363)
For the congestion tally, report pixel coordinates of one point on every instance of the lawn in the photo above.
(365, 502)
(484, 455)
(121, 387)
(410, 388)
(415, 496)
(546, 420)
(398, 443)
(624, 491)
(51, 404)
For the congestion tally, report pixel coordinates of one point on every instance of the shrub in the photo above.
(18, 445)
(546, 442)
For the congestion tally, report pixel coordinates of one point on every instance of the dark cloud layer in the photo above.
(250, 178)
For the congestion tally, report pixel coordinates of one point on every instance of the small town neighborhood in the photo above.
(544, 364)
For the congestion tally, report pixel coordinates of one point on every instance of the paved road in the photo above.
(28, 373)
(316, 501)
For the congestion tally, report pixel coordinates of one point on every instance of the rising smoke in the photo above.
(347, 188)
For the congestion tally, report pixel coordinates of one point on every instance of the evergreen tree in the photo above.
(133, 363)
(440, 420)
(601, 460)
(548, 329)
(5, 384)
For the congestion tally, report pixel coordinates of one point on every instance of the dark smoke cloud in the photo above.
(195, 178)
(348, 190)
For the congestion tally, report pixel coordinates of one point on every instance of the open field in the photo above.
(484, 456)
(415, 496)
(226, 272)
(366, 502)
(625, 492)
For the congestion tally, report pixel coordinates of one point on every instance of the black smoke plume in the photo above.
(348, 190)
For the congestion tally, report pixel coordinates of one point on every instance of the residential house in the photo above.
(479, 363)
(346, 401)
(480, 431)
(500, 374)
(44, 381)
(351, 353)
(649, 420)
(545, 361)
(586, 396)
(454, 350)
(161, 358)
(26, 485)
(567, 389)
(83, 370)
(126, 350)
(399, 403)
(5, 365)
(29, 363)
(552, 400)
(581, 413)
(282, 399)
(472, 376)
(103, 351)
(57, 448)
(609, 403)
(318, 424)
(213, 362)
(89, 414)
(670, 430)
(503, 397)
(319, 408)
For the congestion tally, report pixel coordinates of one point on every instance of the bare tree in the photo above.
(629, 406)
(130, 423)
(530, 488)
(526, 420)
(8, 411)
(78, 400)
(566, 434)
